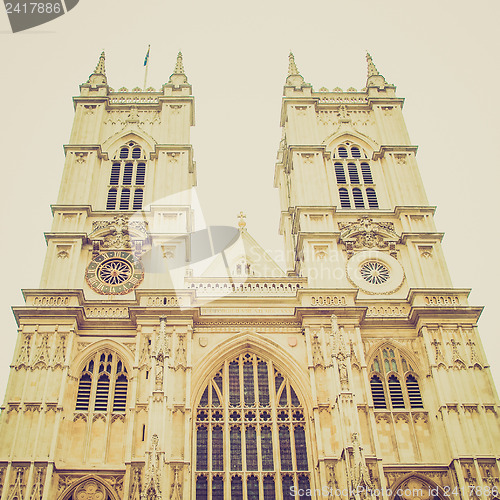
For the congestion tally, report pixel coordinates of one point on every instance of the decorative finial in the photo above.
(98, 77)
(100, 69)
(292, 67)
(372, 70)
(178, 76)
(179, 66)
(241, 222)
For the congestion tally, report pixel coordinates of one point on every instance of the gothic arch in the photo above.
(68, 492)
(390, 343)
(250, 341)
(129, 133)
(359, 139)
(83, 357)
(401, 482)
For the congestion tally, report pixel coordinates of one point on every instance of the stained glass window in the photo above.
(250, 420)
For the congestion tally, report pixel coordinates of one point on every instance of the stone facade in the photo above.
(141, 374)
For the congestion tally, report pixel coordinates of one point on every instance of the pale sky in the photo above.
(441, 55)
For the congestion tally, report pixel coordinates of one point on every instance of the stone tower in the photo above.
(160, 359)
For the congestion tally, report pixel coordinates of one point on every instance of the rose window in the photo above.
(374, 272)
(114, 271)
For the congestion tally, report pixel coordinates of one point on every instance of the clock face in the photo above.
(114, 273)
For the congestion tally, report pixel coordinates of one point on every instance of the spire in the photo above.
(374, 78)
(98, 77)
(292, 67)
(100, 69)
(178, 77)
(294, 79)
(179, 65)
(372, 70)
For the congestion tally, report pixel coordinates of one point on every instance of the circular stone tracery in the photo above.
(114, 271)
(374, 272)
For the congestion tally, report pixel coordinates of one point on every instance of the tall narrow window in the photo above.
(353, 173)
(84, 388)
(103, 384)
(354, 160)
(403, 391)
(396, 393)
(217, 488)
(366, 173)
(372, 198)
(378, 395)
(413, 392)
(254, 422)
(344, 198)
(125, 199)
(358, 198)
(128, 170)
(111, 203)
(339, 173)
(138, 199)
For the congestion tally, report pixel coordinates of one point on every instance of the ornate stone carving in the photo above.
(364, 233)
(180, 354)
(439, 357)
(341, 352)
(135, 484)
(361, 483)
(17, 489)
(41, 356)
(317, 354)
(145, 357)
(474, 358)
(90, 490)
(117, 232)
(24, 353)
(37, 489)
(161, 353)
(176, 487)
(60, 352)
(151, 490)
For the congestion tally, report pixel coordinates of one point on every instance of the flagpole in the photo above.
(146, 71)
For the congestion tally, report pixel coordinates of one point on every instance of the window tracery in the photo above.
(393, 382)
(103, 384)
(128, 174)
(250, 424)
(349, 162)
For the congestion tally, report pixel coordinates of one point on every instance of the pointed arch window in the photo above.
(394, 384)
(251, 432)
(354, 160)
(128, 174)
(103, 385)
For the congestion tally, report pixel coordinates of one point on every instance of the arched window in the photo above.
(354, 160)
(111, 203)
(339, 173)
(127, 171)
(393, 376)
(103, 384)
(358, 198)
(372, 198)
(250, 433)
(344, 198)
(353, 173)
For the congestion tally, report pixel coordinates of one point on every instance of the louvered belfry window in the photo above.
(354, 178)
(394, 384)
(103, 385)
(127, 178)
(250, 434)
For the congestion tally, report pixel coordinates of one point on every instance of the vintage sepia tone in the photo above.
(357, 370)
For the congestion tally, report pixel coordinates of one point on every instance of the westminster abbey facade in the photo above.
(160, 360)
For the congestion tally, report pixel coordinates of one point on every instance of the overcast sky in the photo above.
(441, 55)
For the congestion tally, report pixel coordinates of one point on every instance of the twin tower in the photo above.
(163, 360)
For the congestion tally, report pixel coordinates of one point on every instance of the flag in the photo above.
(147, 57)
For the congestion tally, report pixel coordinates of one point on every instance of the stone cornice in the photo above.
(395, 148)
